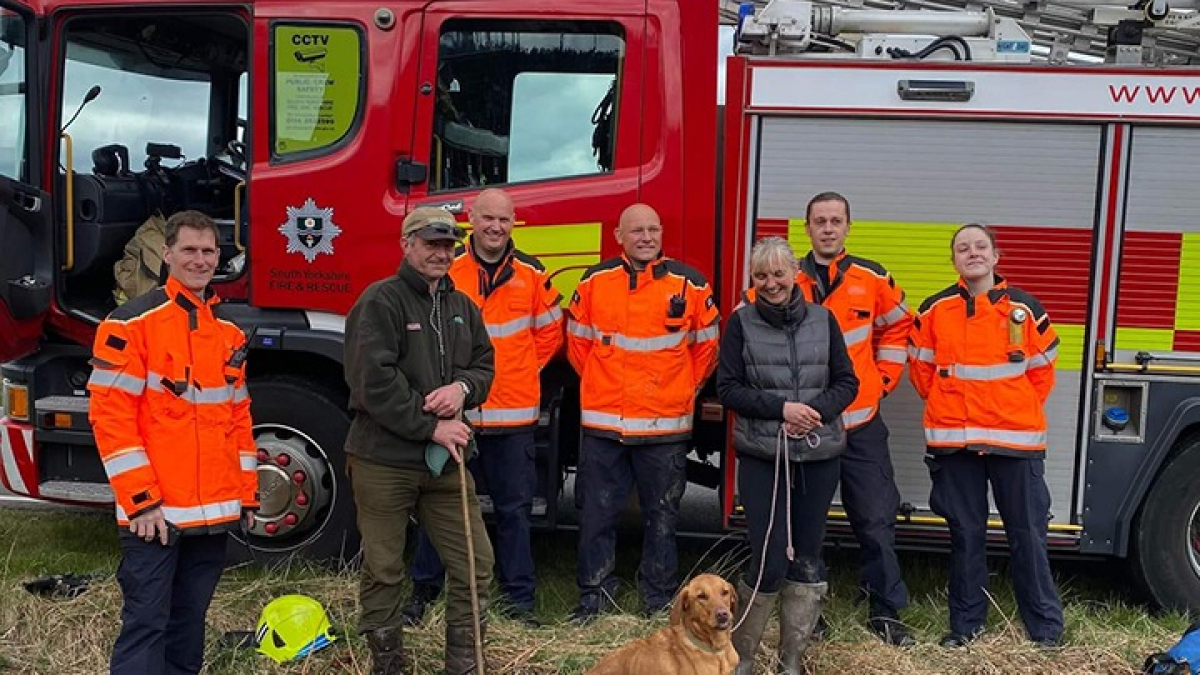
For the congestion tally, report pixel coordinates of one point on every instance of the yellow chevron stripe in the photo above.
(1147, 339)
(1187, 299)
(567, 250)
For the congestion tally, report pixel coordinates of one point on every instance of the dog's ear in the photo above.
(733, 597)
(683, 602)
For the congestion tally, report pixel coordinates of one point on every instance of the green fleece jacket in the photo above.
(398, 349)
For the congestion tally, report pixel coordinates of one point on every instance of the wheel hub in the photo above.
(295, 488)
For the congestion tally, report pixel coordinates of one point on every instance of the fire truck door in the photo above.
(24, 207)
(545, 106)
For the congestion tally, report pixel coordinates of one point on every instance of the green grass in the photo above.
(1108, 630)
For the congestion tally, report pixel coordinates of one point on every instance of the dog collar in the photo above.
(699, 644)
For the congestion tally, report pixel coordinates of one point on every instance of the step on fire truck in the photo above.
(308, 131)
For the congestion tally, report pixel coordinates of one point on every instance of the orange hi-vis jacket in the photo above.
(875, 322)
(643, 343)
(521, 310)
(985, 366)
(171, 413)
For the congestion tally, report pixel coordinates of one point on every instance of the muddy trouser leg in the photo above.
(602, 485)
(440, 513)
(871, 499)
(384, 497)
(660, 471)
(507, 462)
(1019, 488)
(959, 494)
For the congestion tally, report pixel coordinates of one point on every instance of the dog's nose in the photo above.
(723, 617)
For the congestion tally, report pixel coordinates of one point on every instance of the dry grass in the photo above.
(1107, 635)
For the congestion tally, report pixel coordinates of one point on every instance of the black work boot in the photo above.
(460, 650)
(413, 612)
(886, 624)
(387, 651)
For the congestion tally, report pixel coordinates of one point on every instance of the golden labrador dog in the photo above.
(697, 641)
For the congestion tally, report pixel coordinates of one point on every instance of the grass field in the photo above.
(1108, 631)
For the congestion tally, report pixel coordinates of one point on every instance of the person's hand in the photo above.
(149, 525)
(248, 519)
(452, 435)
(801, 417)
(446, 401)
(792, 430)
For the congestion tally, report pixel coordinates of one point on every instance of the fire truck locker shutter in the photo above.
(910, 184)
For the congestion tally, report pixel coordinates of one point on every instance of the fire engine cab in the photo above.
(307, 130)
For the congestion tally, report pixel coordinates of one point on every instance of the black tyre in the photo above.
(306, 508)
(1166, 536)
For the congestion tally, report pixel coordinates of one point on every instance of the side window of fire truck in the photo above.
(317, 89)
(13, 147)
(522, 101)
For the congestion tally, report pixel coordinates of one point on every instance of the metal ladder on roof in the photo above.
(1070, 31)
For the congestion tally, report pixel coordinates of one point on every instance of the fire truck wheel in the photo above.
(305, 503)
(1167, 534)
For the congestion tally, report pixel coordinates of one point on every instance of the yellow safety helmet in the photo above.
(292, 627)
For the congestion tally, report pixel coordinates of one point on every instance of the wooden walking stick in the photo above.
(466, 513)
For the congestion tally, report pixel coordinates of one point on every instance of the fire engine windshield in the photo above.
(157, 76)
(12, 96)
(524, 100)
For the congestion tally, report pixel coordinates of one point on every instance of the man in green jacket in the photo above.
(417, 354)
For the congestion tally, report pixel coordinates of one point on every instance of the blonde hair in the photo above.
(771, 252)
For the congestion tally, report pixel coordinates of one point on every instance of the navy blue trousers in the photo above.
(871, 500)
(506, 462)
(960, 487)
(166, 590)
(607, 472)
(813, 485)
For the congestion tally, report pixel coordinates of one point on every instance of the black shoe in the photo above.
(1049, 642)
(958, 640)
(584, 614)
(524, 616)
(655, 611)
(413, 612)
(891, 630)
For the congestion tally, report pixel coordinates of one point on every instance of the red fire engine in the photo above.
(309, 129)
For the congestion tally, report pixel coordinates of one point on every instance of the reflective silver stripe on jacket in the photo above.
(610, 421)
(547, 318)
(978, 435)
(128, 460)
(185, 515)
(857, 335)
(998, 371)
(501, 415)
(892, 355)
(898, 313)
(705, 334)
(249, 462)
(117, 380)
(923, 354)
(1044, 358)
(503, 330)
(223, 394)
(853, 418)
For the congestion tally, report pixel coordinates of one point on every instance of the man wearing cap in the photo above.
(417, 355)
(521, 311)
